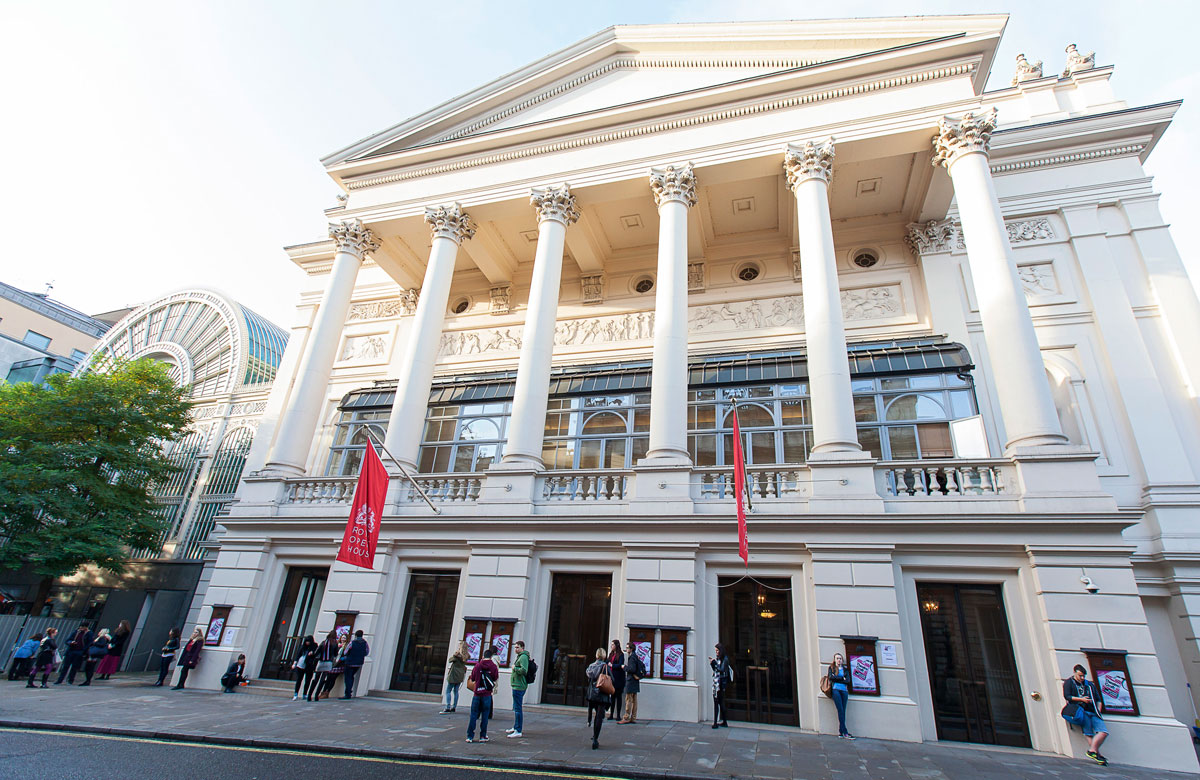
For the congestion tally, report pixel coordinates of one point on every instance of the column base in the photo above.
(1059, 478)
(843, 482)
(282, 470)
(663, 487)
(519, 462)
(665, 458)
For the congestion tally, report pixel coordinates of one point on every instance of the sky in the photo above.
(152, 146)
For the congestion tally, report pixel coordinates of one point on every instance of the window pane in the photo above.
(426, 464)
(480, 428)
(605, 422)
(925, 381)
(762, 449)
(463, 455)
(704, 449)
(557, 455)
(765, 391)
(556, 424)
(864, 408)
(868, 438)
(793, 390)
(916, 407)
(614, 453)
(903, 442)
(339, 436)
(795, 450)
(351, 462)
(589, 453)
(641, 420)
(751, 416)
(935, 440)
(640, 447)
(894, 383)
(485, 454)
(960, 404)
(794, 412)
(862, 385)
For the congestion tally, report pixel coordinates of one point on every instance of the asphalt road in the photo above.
(48, 755)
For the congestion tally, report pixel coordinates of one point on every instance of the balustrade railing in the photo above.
(443, 488)
(583, 486)
(762, 482)
(319, 490)
(938, 479)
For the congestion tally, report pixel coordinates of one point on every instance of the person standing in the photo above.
(483, 683)
(519, 685)
(23, 657)
(302, 666)
(456, 672)
(116, 648)
(190, 657)
(598, 700)
(722, 675)
(326, 654)
(235, 675)
(43, 662)
(96, 653)
(616, 662)
(1083, 708)
(355, 656)
(166, 656)
(77, 647)
(339, 666)
(839, 679)
(634, 671)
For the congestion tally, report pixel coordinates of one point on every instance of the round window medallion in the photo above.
(643, 285)
(865, 259)
(749, 272)
(461, 305)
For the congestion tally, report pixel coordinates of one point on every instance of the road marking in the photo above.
(323, 754)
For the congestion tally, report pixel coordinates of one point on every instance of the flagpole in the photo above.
(404, 472)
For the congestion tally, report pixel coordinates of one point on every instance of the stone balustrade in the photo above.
(943, 478)
(583, 486)
(786, 482)
(443, 488)
(319, 490)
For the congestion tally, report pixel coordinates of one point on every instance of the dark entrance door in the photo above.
(972, 671)
(579, 608)
(755, 625)
(294, 620)
(426, 632)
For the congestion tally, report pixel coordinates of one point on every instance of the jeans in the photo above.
(518, 710)
(481, 710)
(351, 676)
(840, 697)
(164, 668)
(304, 681)
(71, 663)
(719, 715)
(452, 695)
(183, 673)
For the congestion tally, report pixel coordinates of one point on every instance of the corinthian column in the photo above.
(808, 169)
(1025, 401)
(450, 226)
(299, 420)
(674, 192)
(555, 208)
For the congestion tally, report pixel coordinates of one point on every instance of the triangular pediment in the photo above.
(628, 67)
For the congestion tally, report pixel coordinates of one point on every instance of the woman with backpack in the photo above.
(302, 666)
(599, 698)
(722, 676)
(46, 658)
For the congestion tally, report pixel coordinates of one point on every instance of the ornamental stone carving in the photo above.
(555, 203)
(795, 265)
(956, 137)
(353, 237)
(1038, 280)
(810, 161)
(450, 222)
(1029, 230)
(932, 237)
(593, 288)
(502, 299)
(696, 283)
(370, 347)
(1077, 61)
(406, 303)
(673, 184)
(1026, 70)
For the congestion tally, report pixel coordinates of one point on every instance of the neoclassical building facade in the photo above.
(953, 322)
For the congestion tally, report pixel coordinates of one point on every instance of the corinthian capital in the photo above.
(354, 237)
(450, 222)
(810, 161)
(957, 137)
(931, 237)
(673, 184)
(555, 203)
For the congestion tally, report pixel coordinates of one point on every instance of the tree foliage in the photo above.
(79, 458)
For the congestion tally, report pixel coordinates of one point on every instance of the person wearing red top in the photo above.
(483, 682)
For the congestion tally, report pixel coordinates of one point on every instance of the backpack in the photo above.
(486, 681)
(531, 673)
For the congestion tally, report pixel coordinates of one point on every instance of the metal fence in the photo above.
(15, 629)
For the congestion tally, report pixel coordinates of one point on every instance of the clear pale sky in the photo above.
(149, 146)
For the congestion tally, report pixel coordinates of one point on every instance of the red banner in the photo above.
(739, 488)
(362, 529)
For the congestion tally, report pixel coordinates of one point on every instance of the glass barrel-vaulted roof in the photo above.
(212, 343)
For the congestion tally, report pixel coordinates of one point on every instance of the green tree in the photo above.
(79, 458)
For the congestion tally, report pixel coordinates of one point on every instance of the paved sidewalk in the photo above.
(556, 738)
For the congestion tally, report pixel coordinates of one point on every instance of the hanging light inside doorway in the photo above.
(766, 614)
(930, 605)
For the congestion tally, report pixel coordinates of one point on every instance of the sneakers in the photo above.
(850, 736)
(515, 734)
(296, 697)
(443, 712)
(1099, 759)
(484, 739)
(470, 739)
(509, 731)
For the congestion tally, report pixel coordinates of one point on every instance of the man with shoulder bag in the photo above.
(482, 682)
(1083, 709)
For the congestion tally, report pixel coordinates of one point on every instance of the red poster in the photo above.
(362, 529)
(739, 489)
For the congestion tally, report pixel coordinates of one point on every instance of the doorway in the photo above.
(295, 619)
(426, 632)
(755, 626)
(579, 612)
(972, 669)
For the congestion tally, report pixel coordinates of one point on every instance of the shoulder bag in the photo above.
(826, 686)
(604, 682)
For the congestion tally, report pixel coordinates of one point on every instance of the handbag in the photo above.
(1071, 710)
(604, 683)
(826, 686)
(324, 666)
(470, 683)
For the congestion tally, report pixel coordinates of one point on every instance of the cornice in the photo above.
(1074, 157)
(664, 125)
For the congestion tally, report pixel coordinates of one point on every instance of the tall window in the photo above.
(350, 439)
(597, 432)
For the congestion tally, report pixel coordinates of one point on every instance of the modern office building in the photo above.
(959, 336)
(40, 336)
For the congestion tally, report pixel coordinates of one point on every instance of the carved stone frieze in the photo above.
(354, 237)
(696, 281)
(956, 137)
(1038, 280)
(872, 303)
(808, 161)
(450, 222)
(1029, 230)
(1026, 70)
(475, 342)
(594, 330)
(795, 265)
(932, 237)
(247, 407)
(593, 288)
(406, 303)
(369, 347)
(555, 203)
(673, 184)
(1077, 61)
(502, 299)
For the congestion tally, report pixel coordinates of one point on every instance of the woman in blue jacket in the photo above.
(839, 678)
(23, 657)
